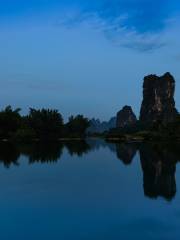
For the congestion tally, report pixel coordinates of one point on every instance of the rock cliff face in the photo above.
(125, 117)
(158, 99)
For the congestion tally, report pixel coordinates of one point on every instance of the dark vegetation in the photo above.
(158, 130)
(43, 124)
(48, 125)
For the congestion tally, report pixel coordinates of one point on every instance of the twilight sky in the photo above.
(85, 56)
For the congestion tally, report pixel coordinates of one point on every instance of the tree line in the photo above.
(41, 124)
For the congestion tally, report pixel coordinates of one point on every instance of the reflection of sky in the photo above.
(94, 197)
(80, 56)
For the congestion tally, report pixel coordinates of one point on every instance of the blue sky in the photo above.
(85, 56)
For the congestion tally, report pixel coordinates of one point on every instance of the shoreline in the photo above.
(127, 140)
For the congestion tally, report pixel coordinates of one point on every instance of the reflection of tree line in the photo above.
(43, 152)
(158, 161)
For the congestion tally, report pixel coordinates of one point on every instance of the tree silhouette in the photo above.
(42, 124)
(46, 123)
(10, 121)
(77, 126)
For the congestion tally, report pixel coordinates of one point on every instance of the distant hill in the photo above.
(96, 126)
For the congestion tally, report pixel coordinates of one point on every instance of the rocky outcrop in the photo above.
(158, 99)
(125, 117)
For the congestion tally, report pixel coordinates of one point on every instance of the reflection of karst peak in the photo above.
(126, 152)
(159, 168)
(97, 144)
(158, 161)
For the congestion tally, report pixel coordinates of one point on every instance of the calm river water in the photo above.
(89, 190)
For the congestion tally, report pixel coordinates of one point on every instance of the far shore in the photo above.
(122, 139)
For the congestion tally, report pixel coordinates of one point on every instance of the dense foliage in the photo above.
(77, 126)
(158, 130)
(10, 121)
(43, 124)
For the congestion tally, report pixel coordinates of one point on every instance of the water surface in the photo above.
(89, 190)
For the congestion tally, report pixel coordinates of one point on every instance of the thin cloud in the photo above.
(117, 31)
(135, 24)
